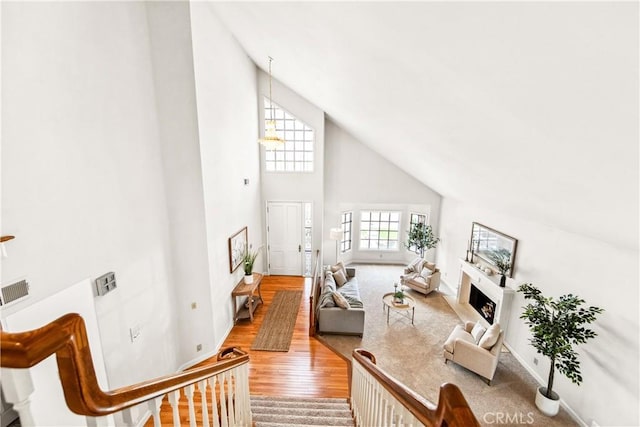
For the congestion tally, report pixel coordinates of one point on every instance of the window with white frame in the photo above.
(347, 227)
(296, 154)
(379, 230)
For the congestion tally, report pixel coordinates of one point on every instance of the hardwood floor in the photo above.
(307, 369)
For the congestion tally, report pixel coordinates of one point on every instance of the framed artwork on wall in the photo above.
(237, 246)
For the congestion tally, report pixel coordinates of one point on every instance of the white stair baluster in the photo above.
(202, 387)
(188, 391)
(127, 417)
(154, 407)
(223, 400)
(214, 401)
(174, 399)
(18, 388)
(231, 396)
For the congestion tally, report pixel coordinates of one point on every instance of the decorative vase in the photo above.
(503, 281)
(549, 407)
(248, 279)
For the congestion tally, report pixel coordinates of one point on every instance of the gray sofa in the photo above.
(333, 319)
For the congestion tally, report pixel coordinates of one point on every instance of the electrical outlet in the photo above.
(535, 360)
(199, 347)
(194, 305)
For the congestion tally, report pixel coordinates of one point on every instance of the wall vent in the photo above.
(14, 292)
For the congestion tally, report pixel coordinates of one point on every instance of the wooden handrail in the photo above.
(452, 410)
(67, 338)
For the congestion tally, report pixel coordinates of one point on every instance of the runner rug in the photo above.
(277, 327)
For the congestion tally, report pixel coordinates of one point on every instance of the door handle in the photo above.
(299, 248)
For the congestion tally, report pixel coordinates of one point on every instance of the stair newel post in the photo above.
(18, 388)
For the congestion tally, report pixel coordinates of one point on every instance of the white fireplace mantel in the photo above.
(489, 285)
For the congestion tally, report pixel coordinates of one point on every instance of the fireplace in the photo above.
(482, 304)
(480, 297)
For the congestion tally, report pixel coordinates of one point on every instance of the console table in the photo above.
(241, 290)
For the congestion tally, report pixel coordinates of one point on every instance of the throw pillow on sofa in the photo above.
(339, 267)
(416, 265)
(477, 332)
(425, 273)
(490, 338)
(340, 300)
(340, 278)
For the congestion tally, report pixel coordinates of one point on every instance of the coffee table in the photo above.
(402, 309)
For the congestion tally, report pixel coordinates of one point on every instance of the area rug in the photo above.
(277, 327)
(413, 354)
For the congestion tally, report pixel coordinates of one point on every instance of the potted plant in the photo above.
(501, 258)
(421, 238)
(557, 326)
(398, 295)
(248, 259)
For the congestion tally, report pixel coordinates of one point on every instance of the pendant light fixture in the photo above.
(271, 140)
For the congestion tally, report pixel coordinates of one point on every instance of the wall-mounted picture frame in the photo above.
(485, 240)
(237, 246)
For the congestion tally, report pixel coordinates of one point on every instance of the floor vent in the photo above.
(14, 292)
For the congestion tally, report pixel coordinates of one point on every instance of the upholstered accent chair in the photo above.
(475, 348)
(421, 275)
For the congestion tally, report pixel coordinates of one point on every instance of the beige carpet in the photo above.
(277, 327)
(413, 355)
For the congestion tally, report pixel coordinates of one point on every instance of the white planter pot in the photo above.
(248, 279)
(549, 407)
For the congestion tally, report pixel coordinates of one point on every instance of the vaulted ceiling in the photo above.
(527, 108)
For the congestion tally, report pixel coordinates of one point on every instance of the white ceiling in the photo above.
(530, 109)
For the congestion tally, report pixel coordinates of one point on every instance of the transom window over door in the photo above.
(296, 155)
(379, 230)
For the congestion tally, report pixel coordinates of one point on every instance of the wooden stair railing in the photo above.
(315, 293)
(379, 399)
(67, 338)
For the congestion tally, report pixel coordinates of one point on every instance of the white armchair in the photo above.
(481, 355)
(421, 275)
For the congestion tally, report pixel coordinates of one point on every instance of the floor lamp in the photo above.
(336, 234)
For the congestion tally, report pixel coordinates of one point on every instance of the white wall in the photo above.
(82, 171)
(288, 186)
(228, 124)
(358, 178)
(559, 262)
(173, 73)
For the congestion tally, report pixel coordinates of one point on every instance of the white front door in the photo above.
(284, 236)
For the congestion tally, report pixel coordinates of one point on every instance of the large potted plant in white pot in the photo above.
(557, 326)
(421, 238)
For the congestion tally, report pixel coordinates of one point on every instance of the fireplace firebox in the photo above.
(482, 304)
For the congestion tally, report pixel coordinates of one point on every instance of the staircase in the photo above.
(293, 411)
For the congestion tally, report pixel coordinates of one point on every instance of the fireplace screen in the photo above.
(482, 304)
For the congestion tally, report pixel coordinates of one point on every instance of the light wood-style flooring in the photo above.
(307, 369)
